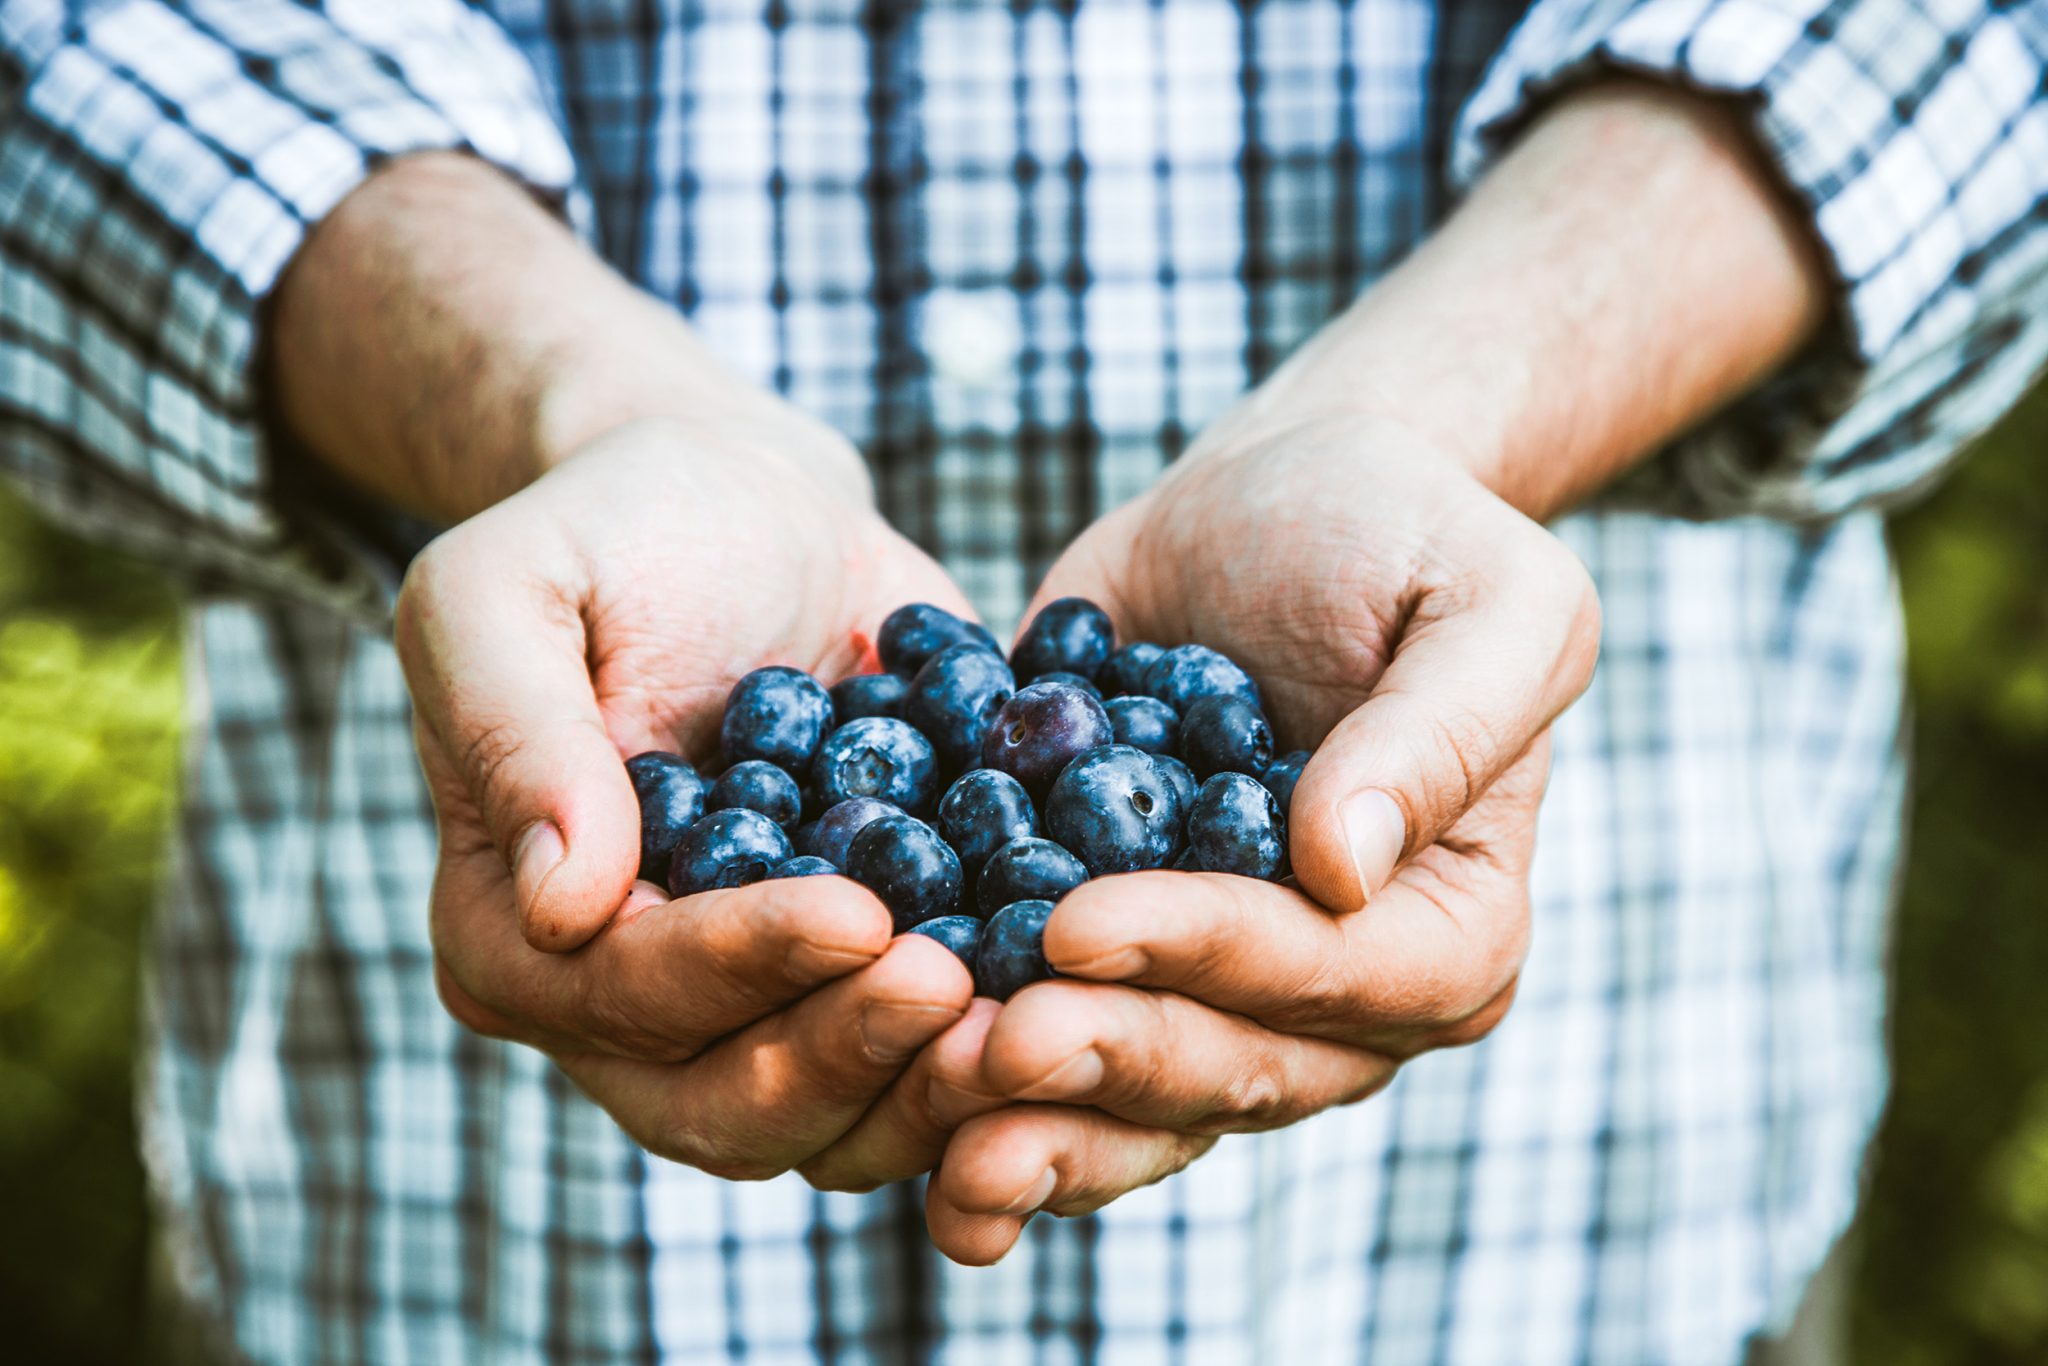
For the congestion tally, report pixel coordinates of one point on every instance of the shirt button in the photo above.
(970, 337)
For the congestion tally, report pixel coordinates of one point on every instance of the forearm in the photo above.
(1627, 269)
(441, 341)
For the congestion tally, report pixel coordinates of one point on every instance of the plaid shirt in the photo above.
(1020, 252)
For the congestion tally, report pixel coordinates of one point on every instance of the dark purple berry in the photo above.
(877, 756)
(1068, 680)
(1280, 777)
(761, 787)
(832, 833)
(1028, 870)
(779, 715)
(959, 933)
(1040, 731)
(803, 865)
(1236, 827)
(1123, 673)
(912, 634)
(1225, 734)
(1143, 723)
(981, 812)
(1190, 672)
(732, 848)
(1070, 635)
(954, 697)
(671, 794)
(1116, 810)
(869, 695)
(1012, 953)
(904, 862)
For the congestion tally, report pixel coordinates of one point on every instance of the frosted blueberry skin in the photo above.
(1040, 731)
(778, 715)
(1069, 635)
(1117, 811)
(953, 699)
(672, 795)
(869, 695)
(1123, 673)
(1236, 827)
(1012, 953)
(761, 787)
(1027, 870)
(1280, 777)
(1187, 673)
(880, 757)
(1178, 776)
(983, 811)
(1069, 680)
(904, 862)
(731, 848)
(1143, 723)
(831, 835)
(959, 933)
(803, 865)
(915, 632)
(1223, 733)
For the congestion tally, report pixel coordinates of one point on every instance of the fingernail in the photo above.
(534, 856)
(1077, 1076)
(1376, 833)
(1040, 1192)
(891, 1030)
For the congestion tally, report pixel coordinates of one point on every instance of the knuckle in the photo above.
(1254, 1097)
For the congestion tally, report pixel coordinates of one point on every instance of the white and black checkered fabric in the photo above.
(1020, 252)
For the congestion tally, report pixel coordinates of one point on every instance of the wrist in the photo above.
(1626, 269)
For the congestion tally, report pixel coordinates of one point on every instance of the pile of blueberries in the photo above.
(969, 805)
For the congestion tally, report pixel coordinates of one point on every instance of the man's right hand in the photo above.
(606, 609)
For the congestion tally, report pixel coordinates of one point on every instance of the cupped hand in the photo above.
(1420, 636)
(604, 610)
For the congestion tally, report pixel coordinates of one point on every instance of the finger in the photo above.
(1002, 1168)
(666, 978)
(495, 658)
(905, 1132)
(1484, 664)
(1159, 1059)
(1431, 962)
(775, 1094)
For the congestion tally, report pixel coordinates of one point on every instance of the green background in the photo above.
(1951, 1263)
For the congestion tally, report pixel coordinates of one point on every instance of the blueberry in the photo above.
(1143, 723)
(1028, 870)
(671, 801)
(954, 697)
(1123, 673)
(730, 848)
(960, 933)
(1040, 731)
(832, 834)
(1116, 810)
(869, 695)
(981, 813)
(803, 865)
(1179, 777)
(877, 756)
(1236, 827)
(904, 862)
(1280, 777)
(1225, 734)
(779, 715)
(1188, 672)
(1070, 635)
(1013, 950)
(759, 787)
(912, 634)
(1071, 681)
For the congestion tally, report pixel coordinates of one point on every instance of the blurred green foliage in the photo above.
(1954, 1243)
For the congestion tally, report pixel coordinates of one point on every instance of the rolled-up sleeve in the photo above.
(1916, 138)
(160, 163)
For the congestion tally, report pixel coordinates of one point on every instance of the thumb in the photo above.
(1482, 668)
(496, 665)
